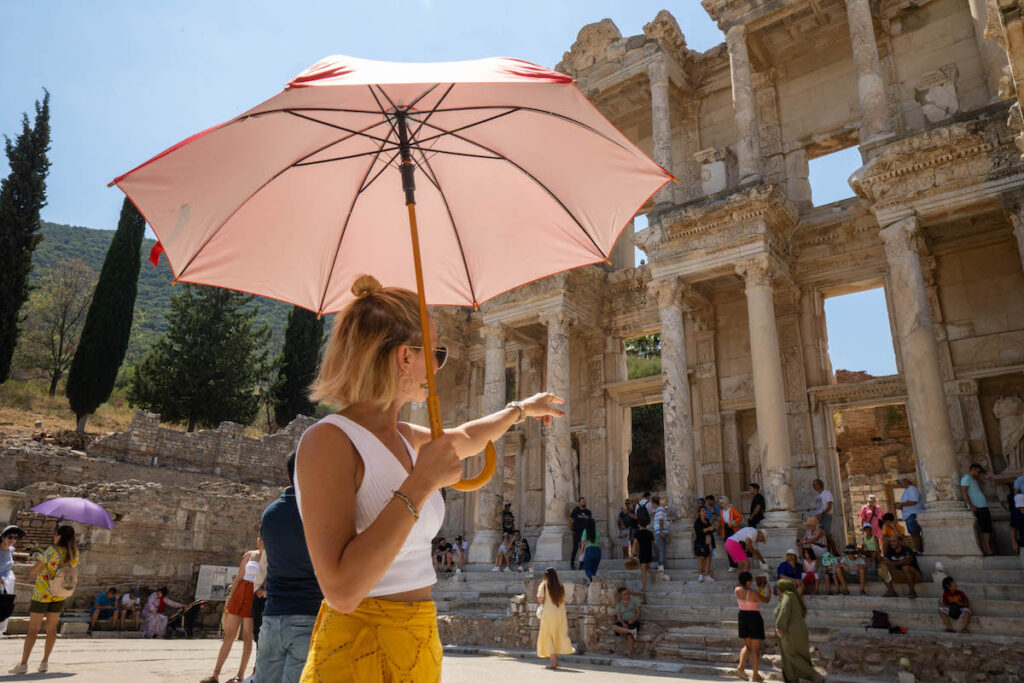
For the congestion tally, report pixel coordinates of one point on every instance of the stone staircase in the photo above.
(694, 625)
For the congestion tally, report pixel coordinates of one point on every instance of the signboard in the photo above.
(214, 581)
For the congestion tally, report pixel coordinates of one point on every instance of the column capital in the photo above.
(757, 271)
(494, 333)
(657, 72)
(557, 321)
(736, 32)
(667, 292)
(901, 236)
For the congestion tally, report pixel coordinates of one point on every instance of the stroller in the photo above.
(182, 623)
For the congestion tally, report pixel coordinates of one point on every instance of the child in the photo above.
(504, 551)
(954, 605)
(830, 569)
(890, 527)
(869, 546)
(810, 577)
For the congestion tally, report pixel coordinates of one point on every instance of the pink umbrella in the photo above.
(520, 177)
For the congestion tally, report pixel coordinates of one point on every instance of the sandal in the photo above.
(949, 630)
(742, 674)
(211, 679)
(890, 594)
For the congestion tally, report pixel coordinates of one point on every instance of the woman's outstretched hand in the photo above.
(542, 407)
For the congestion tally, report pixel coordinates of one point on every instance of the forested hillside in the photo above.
(65, 242)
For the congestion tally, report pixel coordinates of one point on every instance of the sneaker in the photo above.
(700, 578)
(732, 569)
(709, 578)
(520, 569)
(458, 570)
(43, 666)
(496, 568)
(19, 669)
(633, 631)
(507, 569)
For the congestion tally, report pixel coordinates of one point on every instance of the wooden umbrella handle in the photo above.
(490, 465)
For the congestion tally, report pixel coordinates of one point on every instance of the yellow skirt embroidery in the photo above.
(380, 642)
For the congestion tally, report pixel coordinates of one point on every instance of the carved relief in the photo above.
(1009, 410)
(936, 93)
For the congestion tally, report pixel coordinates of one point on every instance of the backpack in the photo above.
(643, 514)
(64, 581)
(879, 620)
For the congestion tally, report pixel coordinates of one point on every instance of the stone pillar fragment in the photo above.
(680, 462)
(661, 121)
(488, 522)
(748, 144)
(554, 542)
(770, 402)
(948, 526)
(1017, 220)
(993, 57)
(871, 90)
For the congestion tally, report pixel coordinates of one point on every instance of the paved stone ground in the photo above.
(111, 660)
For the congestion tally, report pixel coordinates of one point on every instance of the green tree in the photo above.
(108, 324)
(205, 369)
(53, 319)
(22, 196)
(643, 356)
(297, 367)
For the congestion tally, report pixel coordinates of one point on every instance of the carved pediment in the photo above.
(597, 42)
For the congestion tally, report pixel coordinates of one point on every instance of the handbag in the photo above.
(64, 581)
(632, 563)
(6, 605)
(540, 611)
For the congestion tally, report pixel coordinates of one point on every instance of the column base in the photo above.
(948, 529)
(554, 544)
(680, 547)
(782, 528)
(484, 546)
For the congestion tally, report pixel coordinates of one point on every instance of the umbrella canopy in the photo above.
(518, 177)
(76, 510)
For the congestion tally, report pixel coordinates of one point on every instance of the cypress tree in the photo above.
(297, 366)
(108, 324)
(205, 369)
(22, 196)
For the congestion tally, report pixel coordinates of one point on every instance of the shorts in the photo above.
(105, 612)
(624, 624)
(963, 610)
(240, 603)
(984, 518)
(888, 575)
(736, 552)
(751, 625)
(912, 525)
(37, 607)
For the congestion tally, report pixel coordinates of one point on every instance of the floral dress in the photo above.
(51, 563)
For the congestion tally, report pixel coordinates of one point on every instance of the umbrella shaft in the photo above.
(405, 151)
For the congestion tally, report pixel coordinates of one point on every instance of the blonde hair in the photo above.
(358, 364)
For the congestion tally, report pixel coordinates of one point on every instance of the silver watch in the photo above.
(522, 410)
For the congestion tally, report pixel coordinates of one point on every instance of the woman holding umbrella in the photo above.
(63, 553)
(368, 489)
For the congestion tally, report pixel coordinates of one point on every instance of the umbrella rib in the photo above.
(272, 178)
(365, 185)
(464, 127)
(349, 156)
(431, 112)
(344, 228)
(534, 179)
(347, 130)
(432, 177)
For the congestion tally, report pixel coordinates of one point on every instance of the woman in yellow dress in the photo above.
(553, 639)
(368, 489)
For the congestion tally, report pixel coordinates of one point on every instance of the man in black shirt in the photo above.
(627, 524)
(577, 518)
(899, 564)
(756, 504)
(508, 520)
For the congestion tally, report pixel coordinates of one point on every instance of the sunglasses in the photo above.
(440, 355)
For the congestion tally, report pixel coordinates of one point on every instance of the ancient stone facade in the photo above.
(740, 262)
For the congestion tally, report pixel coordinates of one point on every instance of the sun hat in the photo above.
(812, 520)
(873, 497)
(13, 529)
(792, 551)
(867, 525)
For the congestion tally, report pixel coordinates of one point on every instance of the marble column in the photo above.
(949, 527)
(680, 463)
(748, 143)
(661, 125)
(993, 57)
(488, 522)
(1017, 220)
(770, 403)
(871, 90)
(555, 542)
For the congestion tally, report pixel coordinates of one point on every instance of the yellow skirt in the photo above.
(380, 642)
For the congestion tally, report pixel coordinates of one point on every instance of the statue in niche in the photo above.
(754, 458)
(1009, 410)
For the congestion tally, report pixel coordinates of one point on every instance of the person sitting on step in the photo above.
(899, 564)
(953, 605)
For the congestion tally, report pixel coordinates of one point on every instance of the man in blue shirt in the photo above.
(293, 595)
(912, 505)
(103, 607)
(976, 501)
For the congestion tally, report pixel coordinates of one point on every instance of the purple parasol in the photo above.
(76, 510)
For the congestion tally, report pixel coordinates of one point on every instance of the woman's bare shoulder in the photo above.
(324, 439)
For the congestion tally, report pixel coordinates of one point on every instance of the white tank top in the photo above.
(382, 475)
(252, 567)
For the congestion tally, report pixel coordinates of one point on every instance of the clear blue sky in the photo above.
(859, 336)
(129, 78)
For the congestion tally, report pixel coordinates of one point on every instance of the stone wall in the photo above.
(225, 452)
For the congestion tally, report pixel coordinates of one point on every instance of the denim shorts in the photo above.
(912, 525)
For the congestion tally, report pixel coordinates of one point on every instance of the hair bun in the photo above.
(365, 285)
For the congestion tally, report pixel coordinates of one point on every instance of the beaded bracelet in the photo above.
(408, 503)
